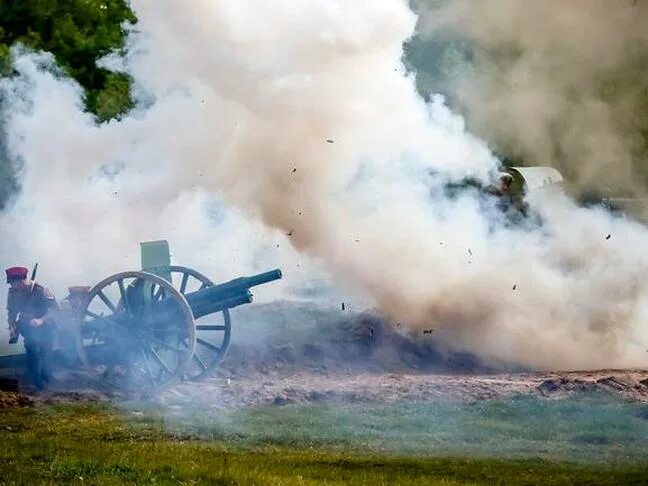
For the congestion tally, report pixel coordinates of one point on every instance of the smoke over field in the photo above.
(296, 137)
(554, 83)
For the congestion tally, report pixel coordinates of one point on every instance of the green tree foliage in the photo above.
(77, 33)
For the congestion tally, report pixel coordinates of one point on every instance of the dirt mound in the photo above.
(285, 336)
(14, 400)
(628, 384)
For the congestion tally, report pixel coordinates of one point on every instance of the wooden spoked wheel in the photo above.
(137, 332)
(212, 332)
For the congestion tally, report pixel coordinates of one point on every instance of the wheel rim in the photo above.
(137, 332)
(213, 332)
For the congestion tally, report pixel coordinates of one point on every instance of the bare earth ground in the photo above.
(307, 355)
(302, 387)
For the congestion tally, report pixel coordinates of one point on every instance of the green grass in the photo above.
(596, 428)
(98, 445)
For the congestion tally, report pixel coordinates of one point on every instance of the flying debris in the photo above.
(608, 237)
(294, 170)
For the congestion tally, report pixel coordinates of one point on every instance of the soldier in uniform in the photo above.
(69, 321)
(506, 199)
(503, 185)
(31, 308)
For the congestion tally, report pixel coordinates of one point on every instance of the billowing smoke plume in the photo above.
(303, 118)
(553, 83)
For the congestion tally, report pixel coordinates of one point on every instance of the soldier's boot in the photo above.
(33, 366)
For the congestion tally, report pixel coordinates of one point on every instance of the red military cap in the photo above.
(16, 273)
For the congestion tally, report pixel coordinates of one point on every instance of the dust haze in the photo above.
(296, 137)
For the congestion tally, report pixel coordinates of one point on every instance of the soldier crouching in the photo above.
(31, 309)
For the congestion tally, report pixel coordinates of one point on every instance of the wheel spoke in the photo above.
(183, 285)
(159, 360)
(107, 301)
(210, 327)
(101, 318)
(159, 294)
(168, 346)
(209, 345)
(202, 365)
(124, 297)
(148, 366)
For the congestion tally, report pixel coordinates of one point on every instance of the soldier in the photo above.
(69, 321)
(502, 188)
(31, 308)
(509, 202)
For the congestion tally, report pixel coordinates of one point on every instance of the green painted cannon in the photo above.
(143, 330)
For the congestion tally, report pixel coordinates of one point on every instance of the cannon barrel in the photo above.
(227, 295)
(208, 300)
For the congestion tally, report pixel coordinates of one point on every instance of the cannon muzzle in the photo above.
(260, 279)
(229, 294)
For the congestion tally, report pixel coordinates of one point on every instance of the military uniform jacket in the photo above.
(31, 303)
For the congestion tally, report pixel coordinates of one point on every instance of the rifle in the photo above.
(14, 335)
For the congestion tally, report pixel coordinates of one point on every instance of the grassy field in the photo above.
(590, 428)
(99, 445)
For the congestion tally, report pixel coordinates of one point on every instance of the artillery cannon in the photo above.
(142, 330)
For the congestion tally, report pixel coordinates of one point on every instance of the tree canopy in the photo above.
(77, 33)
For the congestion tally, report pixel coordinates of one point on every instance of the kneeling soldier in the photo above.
(30, 309)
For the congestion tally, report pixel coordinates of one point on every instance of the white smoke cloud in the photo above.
(301, 121)
(92, 193)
